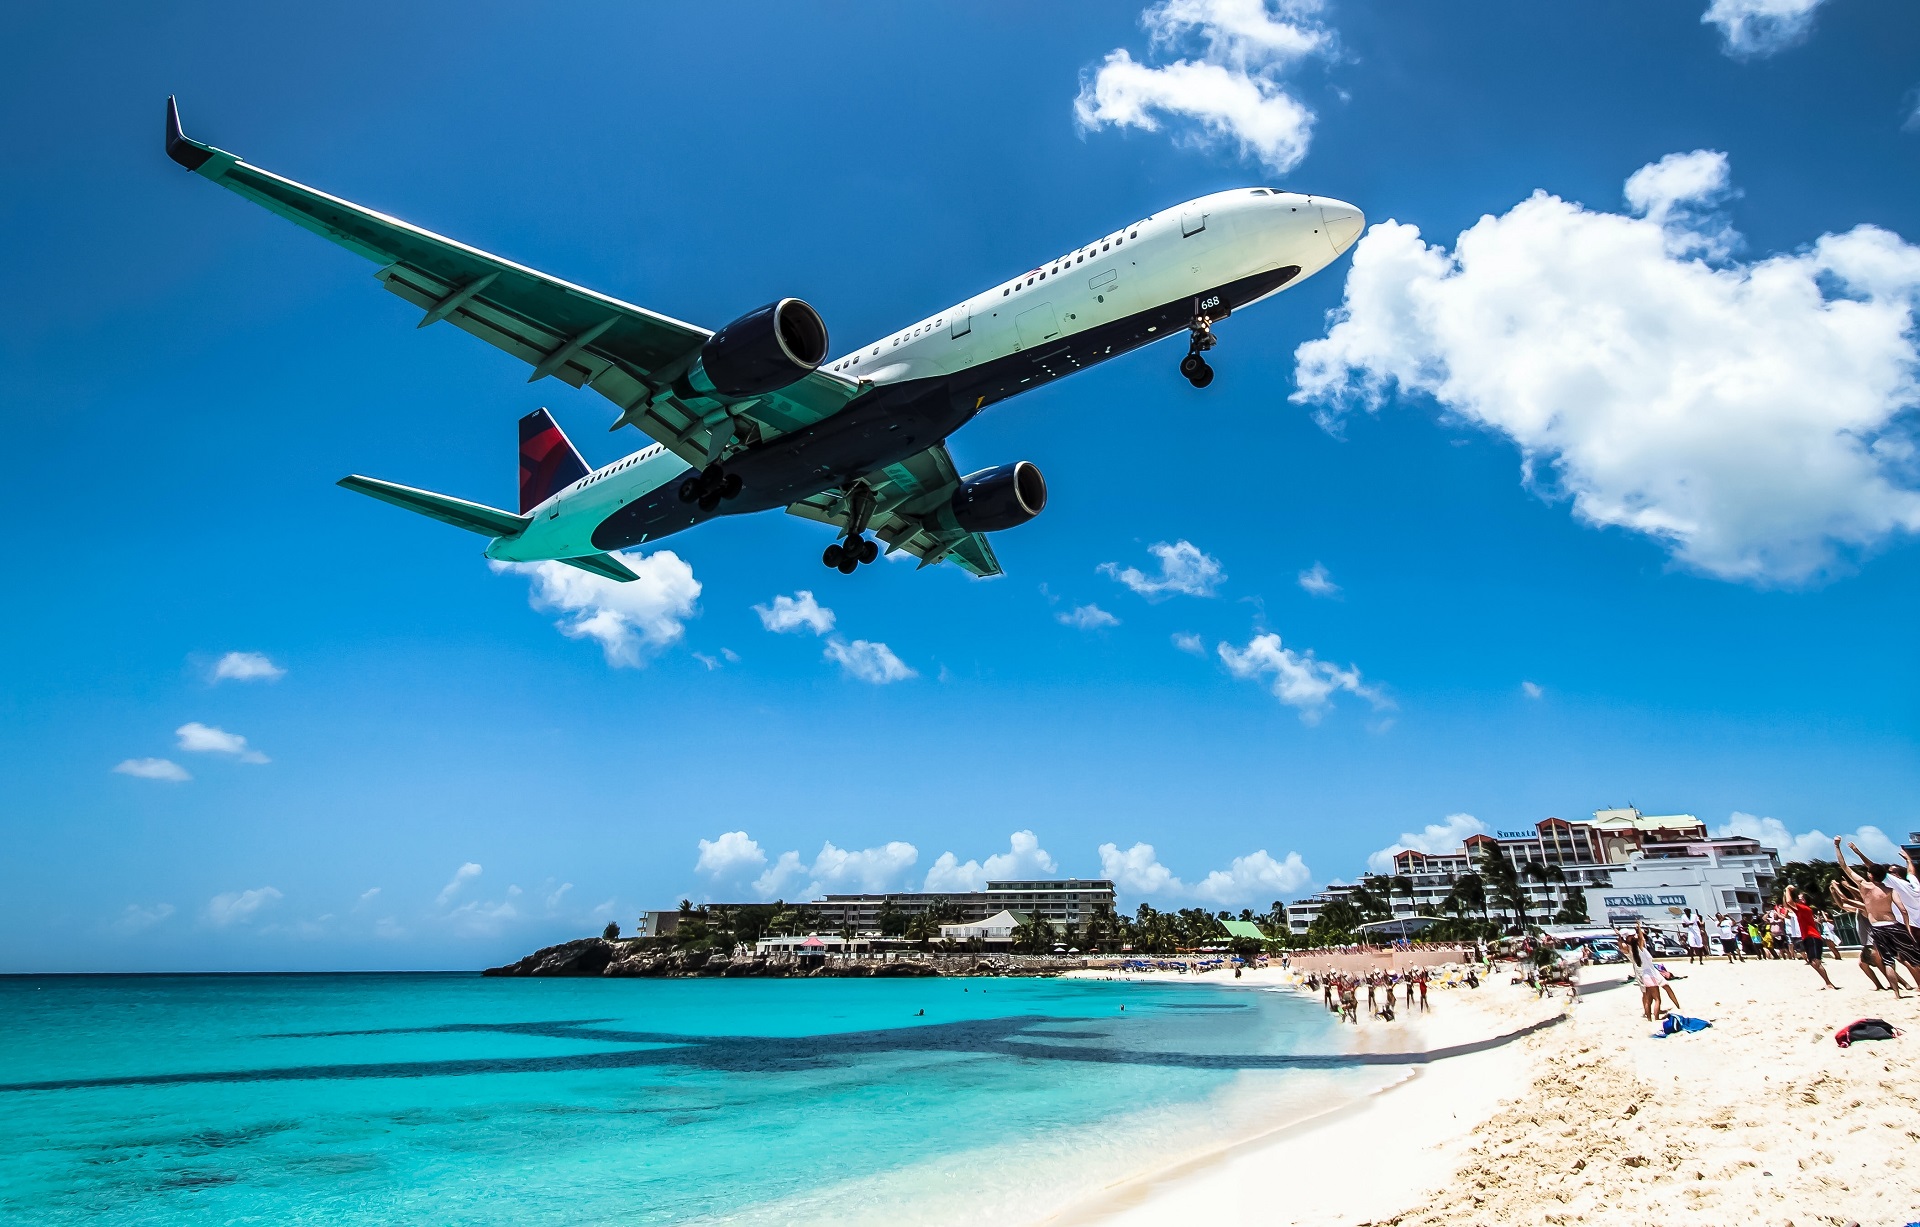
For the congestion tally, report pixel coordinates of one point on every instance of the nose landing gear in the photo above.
(1193, 366)
(709, 486)
(854, 547)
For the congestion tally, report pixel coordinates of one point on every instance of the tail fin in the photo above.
(549, 462)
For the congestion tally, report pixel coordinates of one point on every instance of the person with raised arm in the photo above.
(1886, 916)
(1808, 925)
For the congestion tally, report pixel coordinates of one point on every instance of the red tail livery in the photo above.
(548, 461)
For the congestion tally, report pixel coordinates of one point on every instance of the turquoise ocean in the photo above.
(457, 1099)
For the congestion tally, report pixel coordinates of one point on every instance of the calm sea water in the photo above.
(456, 1099)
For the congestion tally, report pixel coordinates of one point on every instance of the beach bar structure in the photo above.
(994, 930)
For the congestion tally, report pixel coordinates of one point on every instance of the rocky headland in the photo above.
(599, 956)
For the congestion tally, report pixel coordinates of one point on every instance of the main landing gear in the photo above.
(709, 486)
(854, 546)
(1193, 366)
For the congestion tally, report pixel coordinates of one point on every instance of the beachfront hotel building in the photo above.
(1061, 901)
(1614, 846)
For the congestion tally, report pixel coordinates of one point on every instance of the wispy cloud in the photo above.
(154, 769)
(1185, 569)
(799, 612)
(246, 667)
(198, 738)
(870, 662)
(1317, 582)
(461, 876)
(1435, 837)
(1087, 618)
(1531, 689)
(1296, 678)
(137, 919)
(239, 907)
(1216, 70)
(1190, 643)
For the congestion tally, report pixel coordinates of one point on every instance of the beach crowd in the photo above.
(1340, 992)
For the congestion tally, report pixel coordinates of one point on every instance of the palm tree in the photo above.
(1033, 935)
(1506, 892)
(1401, 884)
(1548, 876)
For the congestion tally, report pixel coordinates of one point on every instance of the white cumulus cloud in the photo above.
(870, 662)
(200, 738)
(1435, 837)
(153, 769)
(1190, 643)
(1254, 878)
(461, 876)
(1756, 418)
(795, 613)
(733, 855)
(1296, 678)
(1217, 72)
(1185, 568)
(838, 871)
(1317, 582)
(239, 907)
(628, 620)
(1811, 845)
(1024, 858)
(246, 667)
(1751, 29)
(1087, 618)
(1136, 871)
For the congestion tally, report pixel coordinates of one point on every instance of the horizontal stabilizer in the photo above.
(474, 517)
(603, 564)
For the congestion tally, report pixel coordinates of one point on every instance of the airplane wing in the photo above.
(907, 497)
(628, 354)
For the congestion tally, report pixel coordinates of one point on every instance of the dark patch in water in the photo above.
(775, 1054)
(198, 1180)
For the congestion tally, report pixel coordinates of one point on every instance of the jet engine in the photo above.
(1004, 497)
(762, 351)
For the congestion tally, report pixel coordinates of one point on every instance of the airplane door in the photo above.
(1192, 224)
(1037, 324)
(962, 324)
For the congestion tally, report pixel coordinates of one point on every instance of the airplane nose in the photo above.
(1342, 223)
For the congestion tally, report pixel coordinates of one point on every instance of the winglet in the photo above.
(189, 153)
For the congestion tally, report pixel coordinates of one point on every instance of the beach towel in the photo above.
(1866, 1029)
(1673, 1024)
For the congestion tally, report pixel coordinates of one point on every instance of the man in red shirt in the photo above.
(1810, 939)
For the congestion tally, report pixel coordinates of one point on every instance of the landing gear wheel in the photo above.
(730, 488)
(848, 561)
(869, 550)
(709, 500)
(831, 555)
(690, 489)
(1201, 377)
(1191, 365)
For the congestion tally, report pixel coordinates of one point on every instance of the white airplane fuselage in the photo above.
(1208, 257)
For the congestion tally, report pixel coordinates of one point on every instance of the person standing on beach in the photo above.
(1889, 919)
(1423, 990)
(1648, 972)
(1808, 926)
(1870, 960)
(1694, 934)
(1900, 880)
(1729, 944)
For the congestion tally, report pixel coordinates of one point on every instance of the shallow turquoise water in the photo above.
(457, 1099)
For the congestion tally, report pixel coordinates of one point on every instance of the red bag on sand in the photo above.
(1866, 1029)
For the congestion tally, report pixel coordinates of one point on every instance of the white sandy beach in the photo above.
(1761, 1119)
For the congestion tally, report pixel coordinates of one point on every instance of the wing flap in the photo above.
(906, 495)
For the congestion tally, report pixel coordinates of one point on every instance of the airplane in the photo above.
(757, 415)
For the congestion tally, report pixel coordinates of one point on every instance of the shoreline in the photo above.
(1433, 1100)
(1760, 1119)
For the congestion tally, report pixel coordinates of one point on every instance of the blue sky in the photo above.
(1613, 501)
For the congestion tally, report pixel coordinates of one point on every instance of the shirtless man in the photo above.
(1886, 915)
(1870, 964)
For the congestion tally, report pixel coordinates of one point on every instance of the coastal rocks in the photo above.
(587, 957)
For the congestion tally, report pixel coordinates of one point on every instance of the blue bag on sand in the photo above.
(1673, 1024)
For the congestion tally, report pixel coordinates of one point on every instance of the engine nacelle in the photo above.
(1005, 497)
(762, 351)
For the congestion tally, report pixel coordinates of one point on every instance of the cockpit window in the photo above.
(1260, 191)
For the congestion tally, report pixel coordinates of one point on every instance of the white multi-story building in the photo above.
(1587, 854)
